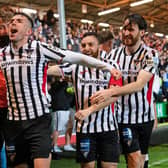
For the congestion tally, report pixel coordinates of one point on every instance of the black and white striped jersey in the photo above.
(103, 54)
(26, 72)
(87, 81)
(137, 107)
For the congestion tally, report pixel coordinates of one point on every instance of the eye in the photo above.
(90, 44)
(19, 21)
(83, 45)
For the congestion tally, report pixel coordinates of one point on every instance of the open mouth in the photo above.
(13, 31)
(87, 53)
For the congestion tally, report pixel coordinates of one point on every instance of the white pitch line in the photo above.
(158, 162)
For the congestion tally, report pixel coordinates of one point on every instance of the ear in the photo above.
(29, 32)
(142, 33)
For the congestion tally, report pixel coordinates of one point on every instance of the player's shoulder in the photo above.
(4, 49)
(50, 47)
(150, 51)
(116, 50)
(1, 50)
(43, 44)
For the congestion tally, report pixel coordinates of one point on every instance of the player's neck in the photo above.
(18, 44)
(132, 49)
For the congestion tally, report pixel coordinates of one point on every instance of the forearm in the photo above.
(127, 89)
(82, 114)
(142, 79)
(78, 58)
(96, 107)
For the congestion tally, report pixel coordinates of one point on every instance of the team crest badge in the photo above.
(138, 61)
(29, 52)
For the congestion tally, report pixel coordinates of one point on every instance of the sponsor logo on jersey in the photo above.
(91, 81)
(11, 63)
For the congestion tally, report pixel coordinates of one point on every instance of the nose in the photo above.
(13, 22)
(85, 50)
(87, 47)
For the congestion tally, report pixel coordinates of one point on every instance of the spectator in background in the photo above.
(70, 41)
(163, 62)
(62, 101)
(106, 43)
(45, 30)
(50, 18)
(117, 37)
(165, 45)
(76, 45)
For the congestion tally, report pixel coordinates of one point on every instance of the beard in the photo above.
(130, 40)
(4, 41)
(95, 54)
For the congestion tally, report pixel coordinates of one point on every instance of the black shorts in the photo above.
(135, 137)
(28, 139)
(104, 146)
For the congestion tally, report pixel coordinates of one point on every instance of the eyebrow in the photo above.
(129, 25)
(18, 19)
(2, 25)
(87, 43)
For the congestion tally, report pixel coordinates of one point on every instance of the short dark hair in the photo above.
(137, 19)
(91, 34)
(27, 16)
(105, 36)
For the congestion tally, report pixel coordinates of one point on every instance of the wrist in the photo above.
(92, 109)
(110, 68)
(113, 92)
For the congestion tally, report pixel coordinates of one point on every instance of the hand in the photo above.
(81, 114)
(101, 96)
(155, 124)
(116, 73)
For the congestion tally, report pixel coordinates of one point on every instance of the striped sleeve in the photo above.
(62, 56)
(67, 69)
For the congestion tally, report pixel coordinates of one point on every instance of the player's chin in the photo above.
(12, 38)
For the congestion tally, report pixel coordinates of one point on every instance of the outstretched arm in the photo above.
(89, 61)
(63, 56)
